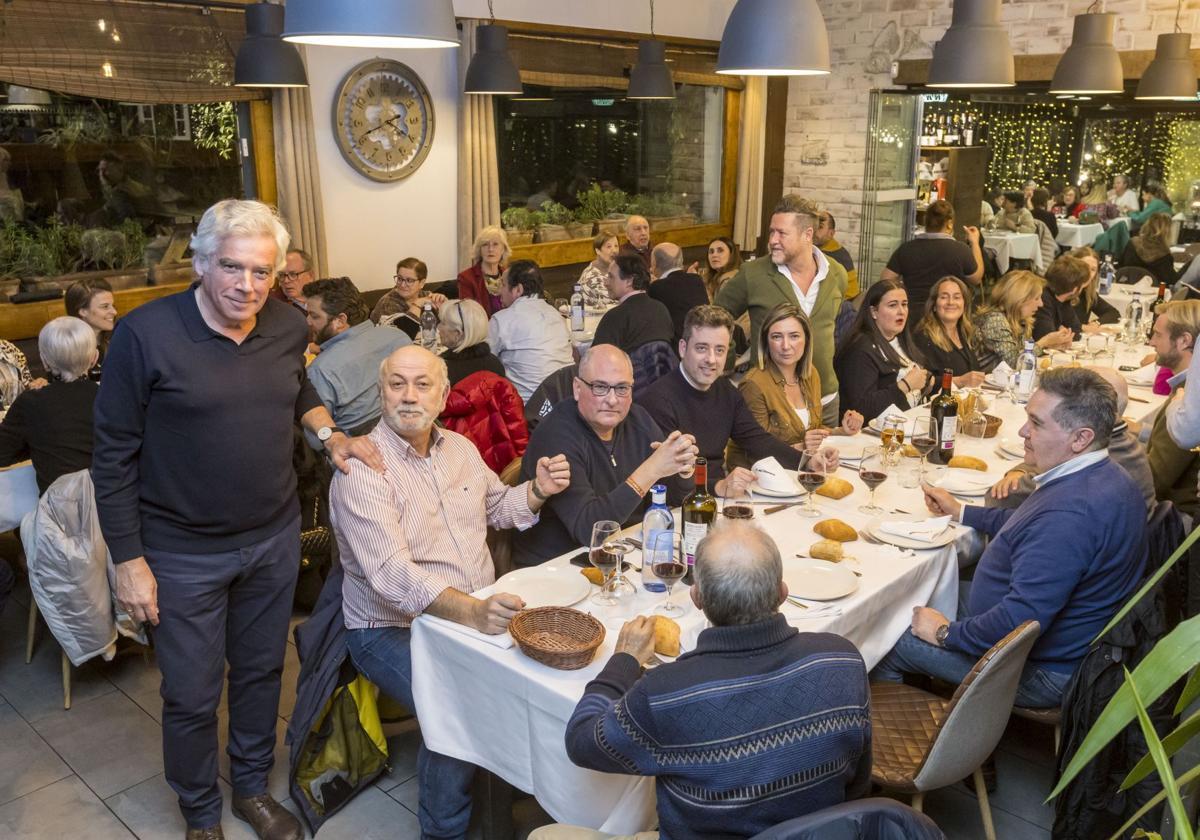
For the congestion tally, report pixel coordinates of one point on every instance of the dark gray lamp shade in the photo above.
(1091, 64)
(492, 69)
(651, 77)
(264, 59)
(411, 24)
(975, 51)
(774, 38)
(1170, 75)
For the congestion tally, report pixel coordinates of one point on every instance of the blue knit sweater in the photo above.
(759, 724)
(1068, 557)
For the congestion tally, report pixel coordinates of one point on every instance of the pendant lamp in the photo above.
(1091, 64)
(381, 24)
(492, 69)
(650, 77)
(975, 51)
(1170, 75)
(774, 38)
(264, 59)
(22, 98)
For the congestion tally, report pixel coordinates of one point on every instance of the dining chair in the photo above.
(922, 742)
(500, 540)
(874, 818)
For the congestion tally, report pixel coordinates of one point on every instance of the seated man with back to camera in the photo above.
(528, 335)
(1068, 557)
(800, 740)
(413, 541)
(612, 448)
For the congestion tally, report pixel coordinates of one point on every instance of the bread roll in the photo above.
(666, 636)
(593, 575)
(910, 451)
(967, 462)
(830, 550)
(835, 529)
(835, 488)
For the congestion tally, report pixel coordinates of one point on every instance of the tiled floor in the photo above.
(95, 771)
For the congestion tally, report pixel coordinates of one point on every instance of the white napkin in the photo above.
(1143, 375)
(772, 477)
(1146, 284)
(925, 530)
(500, 640)
(890, 411)
(850, 447)
(812, 609)
(1001, 375)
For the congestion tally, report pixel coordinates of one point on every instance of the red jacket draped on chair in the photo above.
(487, 409)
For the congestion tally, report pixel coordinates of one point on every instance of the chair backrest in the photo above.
(978, 711)
(1046, 243)
(876, 818)
(554, 388)
(1132, 274)
(651, 361)
(500, 540)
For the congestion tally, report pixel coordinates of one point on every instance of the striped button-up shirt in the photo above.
(420, 528)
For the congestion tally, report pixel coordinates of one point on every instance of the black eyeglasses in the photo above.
(601, 389)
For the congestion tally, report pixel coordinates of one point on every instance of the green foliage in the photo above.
(55, 249)
(214, 127)
(520, 218)
(89, 126)
(659, 204)
(136, 240)
(596, 203)
(554, 213)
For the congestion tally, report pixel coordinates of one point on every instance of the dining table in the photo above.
(1076, 234)
(1009, 246)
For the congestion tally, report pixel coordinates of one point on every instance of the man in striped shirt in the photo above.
(413, 541)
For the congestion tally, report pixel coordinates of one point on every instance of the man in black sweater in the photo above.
(673, 287)
(637, 318)
(609, 443)
(698, 400)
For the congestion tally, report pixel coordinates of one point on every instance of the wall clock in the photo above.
(383, 118)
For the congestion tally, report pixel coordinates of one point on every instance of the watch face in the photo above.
(383, 117)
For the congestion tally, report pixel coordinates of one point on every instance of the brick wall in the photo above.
(827, 115)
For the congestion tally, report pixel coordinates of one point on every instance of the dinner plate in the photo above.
(546, 586)
(818, 580)
(850, 448)
(944, 538)
(962, 482)
(1012, 448)
(759, 490)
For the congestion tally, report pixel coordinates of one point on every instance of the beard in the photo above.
(406, 420)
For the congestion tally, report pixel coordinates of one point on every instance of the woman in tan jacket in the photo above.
(783, 391)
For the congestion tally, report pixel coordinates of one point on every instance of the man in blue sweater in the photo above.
(759, 724)
(1068, 557)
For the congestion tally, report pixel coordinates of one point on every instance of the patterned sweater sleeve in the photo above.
(998, 338)
(602, 733)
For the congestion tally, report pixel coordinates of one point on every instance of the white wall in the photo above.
(370, 226)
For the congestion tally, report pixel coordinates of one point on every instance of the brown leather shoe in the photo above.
(269, 819)
(213, 832)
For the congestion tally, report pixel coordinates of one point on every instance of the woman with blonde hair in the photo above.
(946, 336)
(1149, 250)
(463, 331)
(783, 391)
(1007, 320)
(481, 281)
(1089, 302)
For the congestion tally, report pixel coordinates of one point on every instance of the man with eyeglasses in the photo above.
(616, 452)
(297, 271)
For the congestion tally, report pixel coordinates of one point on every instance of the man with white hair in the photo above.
(637, 233)
(196, 495)
(413, 540)
(1123, 195)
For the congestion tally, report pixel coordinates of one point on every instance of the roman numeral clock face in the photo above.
(383, 117)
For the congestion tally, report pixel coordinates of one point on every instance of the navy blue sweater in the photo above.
(759, 724)
(1069, 556)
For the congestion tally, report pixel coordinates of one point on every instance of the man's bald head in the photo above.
(606, 357)
(666, 257)
(739, 575)
(414, 358)
(1117, 381)
(413, 386)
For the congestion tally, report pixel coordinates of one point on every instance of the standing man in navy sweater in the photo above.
(1068, 557)
(197, 501)
(758, 724)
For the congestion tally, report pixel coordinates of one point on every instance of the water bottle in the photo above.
(577, 309)
(1133, 318)
(1026, 375)
(658, 520)
(1108, 274)
(428, 327)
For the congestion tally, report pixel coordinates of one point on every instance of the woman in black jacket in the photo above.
(877, 364)
(945, 336)
(1089, 302)
(1149, 250)
(464, 331)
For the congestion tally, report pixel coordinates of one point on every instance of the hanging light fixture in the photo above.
(264, 59)
(492, 69)
(1091, 64)
(1170, 75)
(22, 98)
(774, 38)
(650, 77)
(975, 51)
(403, 24)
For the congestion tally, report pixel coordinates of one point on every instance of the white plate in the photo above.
(850, 448)
(1012, 448)
(818, 580)
(546, 586)
(944, 538)
(962, 482)
(759, 490)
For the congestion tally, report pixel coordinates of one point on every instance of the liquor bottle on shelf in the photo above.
(940, 130)
(1158, 301)
(968, 130)
(951, 138)
(944, 411)
(699, 512)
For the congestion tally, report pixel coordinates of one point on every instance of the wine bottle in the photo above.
(944, 410)
(699, 512)
(1154, 307)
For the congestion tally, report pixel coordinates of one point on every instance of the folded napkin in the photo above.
(1145, 284)
(772, 477)
(811, 609)
(500, 640)
(890, 411)
(1001, 375)
(1143, 375)
(925, 530)
(850, 447)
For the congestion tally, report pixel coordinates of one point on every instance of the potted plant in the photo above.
(580, 227)
(605, 207)
(555, 219)
(518, 224)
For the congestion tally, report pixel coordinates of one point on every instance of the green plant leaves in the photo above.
(1161, 763)
(1172, 744)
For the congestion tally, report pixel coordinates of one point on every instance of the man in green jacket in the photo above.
(800, 274)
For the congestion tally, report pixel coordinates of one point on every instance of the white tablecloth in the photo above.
(1074, 235)
(1013, 246)
(18, 494)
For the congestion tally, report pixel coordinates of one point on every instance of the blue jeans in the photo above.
(382, 655)
(1039, 688)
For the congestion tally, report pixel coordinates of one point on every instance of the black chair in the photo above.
(877, 818)
(1132, 274)
(652, 361)
(554, 388)
(449, 288)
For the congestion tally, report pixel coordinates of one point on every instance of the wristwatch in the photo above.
(326, 432)
(941, 633)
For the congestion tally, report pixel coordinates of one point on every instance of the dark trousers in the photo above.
(233, 606)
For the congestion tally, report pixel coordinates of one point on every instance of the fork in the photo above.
(847, 557)
(868, 538)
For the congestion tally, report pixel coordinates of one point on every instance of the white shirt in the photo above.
(1183, 412)
(531, 339)
(1127, 202)
(809, 300)
(1074, 465)
(912, 395)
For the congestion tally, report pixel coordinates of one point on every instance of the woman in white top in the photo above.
(591, 282)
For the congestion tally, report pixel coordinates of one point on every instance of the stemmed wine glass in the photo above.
(606, 555)
(814, 465)
(924, 439)
(1096, 344)
(873, 470)
(667, 565)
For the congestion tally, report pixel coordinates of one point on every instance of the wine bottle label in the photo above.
(693, 532)
(948, 426)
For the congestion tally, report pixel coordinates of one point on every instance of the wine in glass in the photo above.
(669, 565)
(813, 469)
(924, 440)
(873, 470)
(606, 555)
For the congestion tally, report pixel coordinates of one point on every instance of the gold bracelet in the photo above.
(634, 487)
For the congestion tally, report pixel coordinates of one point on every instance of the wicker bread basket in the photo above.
(556, 636)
